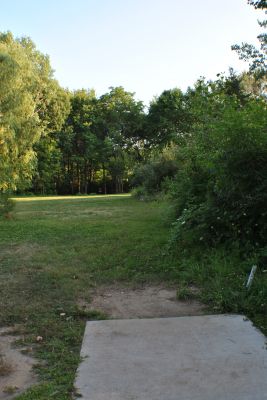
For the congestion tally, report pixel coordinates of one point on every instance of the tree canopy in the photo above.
(256, 56)
(31, 104)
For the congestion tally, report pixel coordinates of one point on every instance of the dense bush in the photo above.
(148, 178)
(220, 190)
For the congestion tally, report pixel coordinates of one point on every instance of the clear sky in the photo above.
(146, 46)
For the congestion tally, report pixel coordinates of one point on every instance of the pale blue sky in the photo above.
(146, 46)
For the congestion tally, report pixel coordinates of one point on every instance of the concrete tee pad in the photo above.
(212, 357)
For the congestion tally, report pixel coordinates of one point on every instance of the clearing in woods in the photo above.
(59, 254)
(66, 260)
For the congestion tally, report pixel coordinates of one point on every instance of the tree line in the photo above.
(95, 148)
(56, 141)
(206, 148)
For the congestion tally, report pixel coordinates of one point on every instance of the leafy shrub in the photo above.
(220, 189)
(140, 193)
(6, 205)
(152, 175)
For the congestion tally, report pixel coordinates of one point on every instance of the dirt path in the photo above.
(15, 367)
(144, 302)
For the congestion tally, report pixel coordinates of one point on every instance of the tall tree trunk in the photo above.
(79, 178)
(90, 178)
(117, 185)
(86, 177)
(104, 179)
(72, 179)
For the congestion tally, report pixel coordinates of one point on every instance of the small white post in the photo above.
(251, 276)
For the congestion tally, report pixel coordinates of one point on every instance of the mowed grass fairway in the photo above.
(53, 251)
(56, 250)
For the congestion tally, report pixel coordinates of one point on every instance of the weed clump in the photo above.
(5, 367)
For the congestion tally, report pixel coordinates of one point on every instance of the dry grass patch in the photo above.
(5, 367)
(22, 251)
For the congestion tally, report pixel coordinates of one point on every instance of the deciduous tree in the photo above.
(31, 105)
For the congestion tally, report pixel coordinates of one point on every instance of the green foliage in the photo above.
(141, 193)
(31, 105)
(19, 121)
(220, 188)
(48, 169)
(150, 178)
(97, 141)
(256, 56)
(57, 141)
(222, 274)
(7, 205)
(168, 119)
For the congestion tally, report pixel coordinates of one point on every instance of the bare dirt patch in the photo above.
(17, 374)
(144, 302)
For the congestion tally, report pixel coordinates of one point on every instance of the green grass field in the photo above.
(53, 251)
(56, 249)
